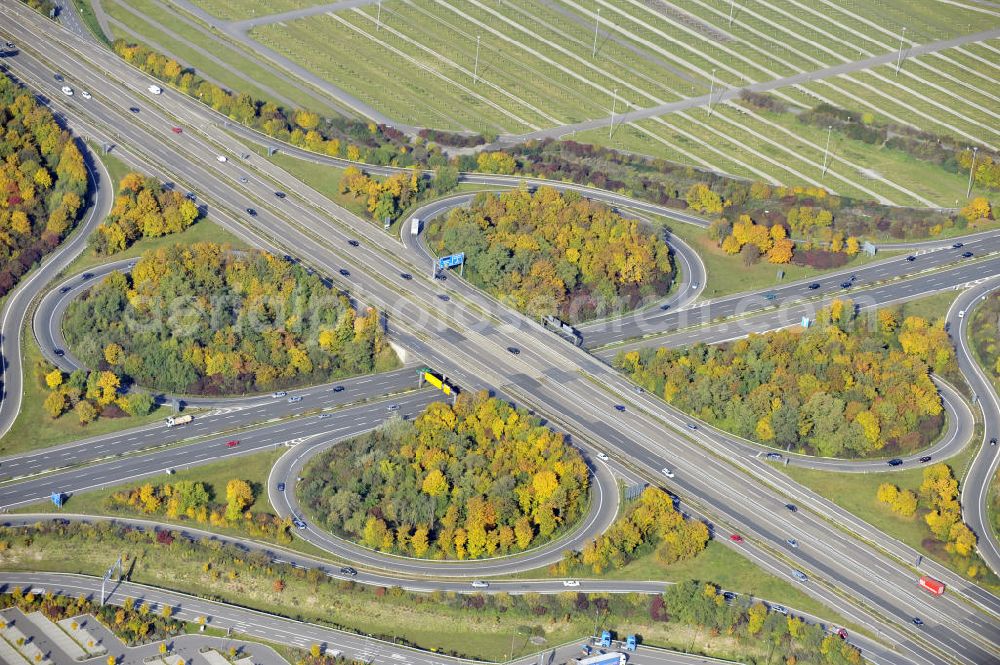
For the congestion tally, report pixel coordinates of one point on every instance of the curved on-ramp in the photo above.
(19, 302)
(601, 512)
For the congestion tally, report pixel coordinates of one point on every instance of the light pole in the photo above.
(899, 60)
(972, 170)
(593, 53)
(378, 19)
(614, 101)
(475, 73)
(711, 92)
(826, 154)
(732, 6)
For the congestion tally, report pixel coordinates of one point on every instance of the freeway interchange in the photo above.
(869, 579)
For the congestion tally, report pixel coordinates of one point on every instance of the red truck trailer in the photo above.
(932, 585)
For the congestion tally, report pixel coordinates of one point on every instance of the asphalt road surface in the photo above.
(120, 467)
(19, 301)
(562, 380)
(975, 495)
(603, 510)
(302, 635)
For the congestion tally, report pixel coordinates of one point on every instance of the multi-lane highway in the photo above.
(300, 634)
(975, 495)
(121, 467)
(467, 336)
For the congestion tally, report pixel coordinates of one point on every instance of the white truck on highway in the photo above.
(415, 227)
(179, 420)
(155, 89)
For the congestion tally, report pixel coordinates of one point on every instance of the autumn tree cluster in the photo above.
(143, 208)
(752, 240)
(752, 633)
(939, 491)
(90, 394)
(133, 622)
(43, 182)
(798, 641)
(902, 502)
(847, 386)
(476, 479)
(983, 333)
(204, 319)
(552, 253)
(191, 500)
(333, 136)
(650, 521)
(383, 198)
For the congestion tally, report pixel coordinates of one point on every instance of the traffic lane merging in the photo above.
(350, 422)
(230, 418)
(984, 465)
(600, 515)
(783, 316)
(737, 513)
(48, 316)
(754, 305)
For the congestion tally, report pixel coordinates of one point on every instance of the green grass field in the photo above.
(252, 75)
(728, 275)
(236, 10)
(34, 429)
(420, 619)
(855, 492)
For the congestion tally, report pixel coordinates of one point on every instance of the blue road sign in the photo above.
(57, 499)
(451, 261)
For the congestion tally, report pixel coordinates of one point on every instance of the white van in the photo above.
(155, 89)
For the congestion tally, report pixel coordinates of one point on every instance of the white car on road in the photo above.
(603, 457)
(222, 158)
(480, 584)
(667, 472)
(86, 95)
(68, 91)
(571, 583)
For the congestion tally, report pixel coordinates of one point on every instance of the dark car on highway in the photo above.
(251, 212)
(513, 349)
(353, 243)
(59, 352)
(791, 507)
(814, 286)
(845, 285)
(347, 570)
(895, 461)
(344, 272)
(957, 245)
(911, 258)
(966, 255)
(280, 195)
(133, 109)
(925, 459)
(86, 275)
(406, 275)
(281, 487)
(338, 389)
